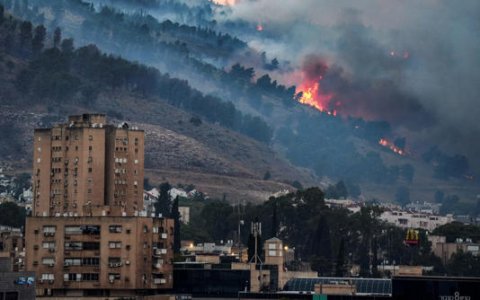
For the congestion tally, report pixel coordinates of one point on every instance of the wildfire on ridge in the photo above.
(313, 96)
(259, 27)
(387, 144)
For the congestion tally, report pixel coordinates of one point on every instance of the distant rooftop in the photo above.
(366, 286)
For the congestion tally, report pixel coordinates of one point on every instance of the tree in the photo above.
(175, 215)
(162, 206)
(2, 11)
(341, 190)
(22, 182)
(402, 196)
(146, 184)
(12, 215)
(38, 39)
(464, 264)
(57, 37)
(274, 221)
(340, 262)
(67, 46)
(321, 248)
(25, 37)
(296, 184)
(267, 176)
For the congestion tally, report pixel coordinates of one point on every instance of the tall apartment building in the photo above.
(88, 235)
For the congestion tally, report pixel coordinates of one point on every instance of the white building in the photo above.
(405, 219)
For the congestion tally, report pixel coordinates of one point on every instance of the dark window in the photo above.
(91, 246)
(11, 296)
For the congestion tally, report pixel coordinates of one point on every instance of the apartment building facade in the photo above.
(88, 234)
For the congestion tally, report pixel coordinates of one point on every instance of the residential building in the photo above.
(441, 248)
(89, 234)
(15, 285)
(88, 168)
(12, 246)
(405, 219)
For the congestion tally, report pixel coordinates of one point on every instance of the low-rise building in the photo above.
(441, 248)
(15, 285)
(12, 246)
(405, 219)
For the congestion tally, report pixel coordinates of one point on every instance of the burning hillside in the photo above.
(313, 71)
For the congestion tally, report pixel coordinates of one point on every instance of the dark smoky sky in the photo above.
(413, 63)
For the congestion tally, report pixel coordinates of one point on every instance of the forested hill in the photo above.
(47, 77)
(261, 107)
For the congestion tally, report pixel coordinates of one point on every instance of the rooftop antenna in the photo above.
(256, 229)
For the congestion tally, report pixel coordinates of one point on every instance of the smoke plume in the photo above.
(413, 63)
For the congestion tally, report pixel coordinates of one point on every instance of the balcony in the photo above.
(164, 236)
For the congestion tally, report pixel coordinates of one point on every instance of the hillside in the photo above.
(202, 135)
(207, 137)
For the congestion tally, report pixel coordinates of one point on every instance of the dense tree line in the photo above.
(330, 239)
(63, 74)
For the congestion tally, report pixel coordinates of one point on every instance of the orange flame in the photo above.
(259, 27)
(313, 96)
(387, 144)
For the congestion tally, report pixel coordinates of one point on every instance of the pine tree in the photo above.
(2, 12)
(38, 39)
(57, 37)
(274, 220)
(162, 206)
(175, 215)
(340, 263)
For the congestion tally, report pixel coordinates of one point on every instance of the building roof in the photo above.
(274, 239)
(370, 286)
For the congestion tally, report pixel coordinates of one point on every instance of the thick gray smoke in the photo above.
(413, 63)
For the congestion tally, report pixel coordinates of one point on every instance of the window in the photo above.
(72, 262)
(73, 230)
(114, 245)
(89, 276)
(72, 277)
(83, 229)
(49, 230)
(91, 245)
(49, 261)
(83, 261)
(48, 245)
(115, 228)
(90, 170)
(10, 296)
(47, 276)
(91, 261)
(80, 277)
(73, 246)
(90, 138)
